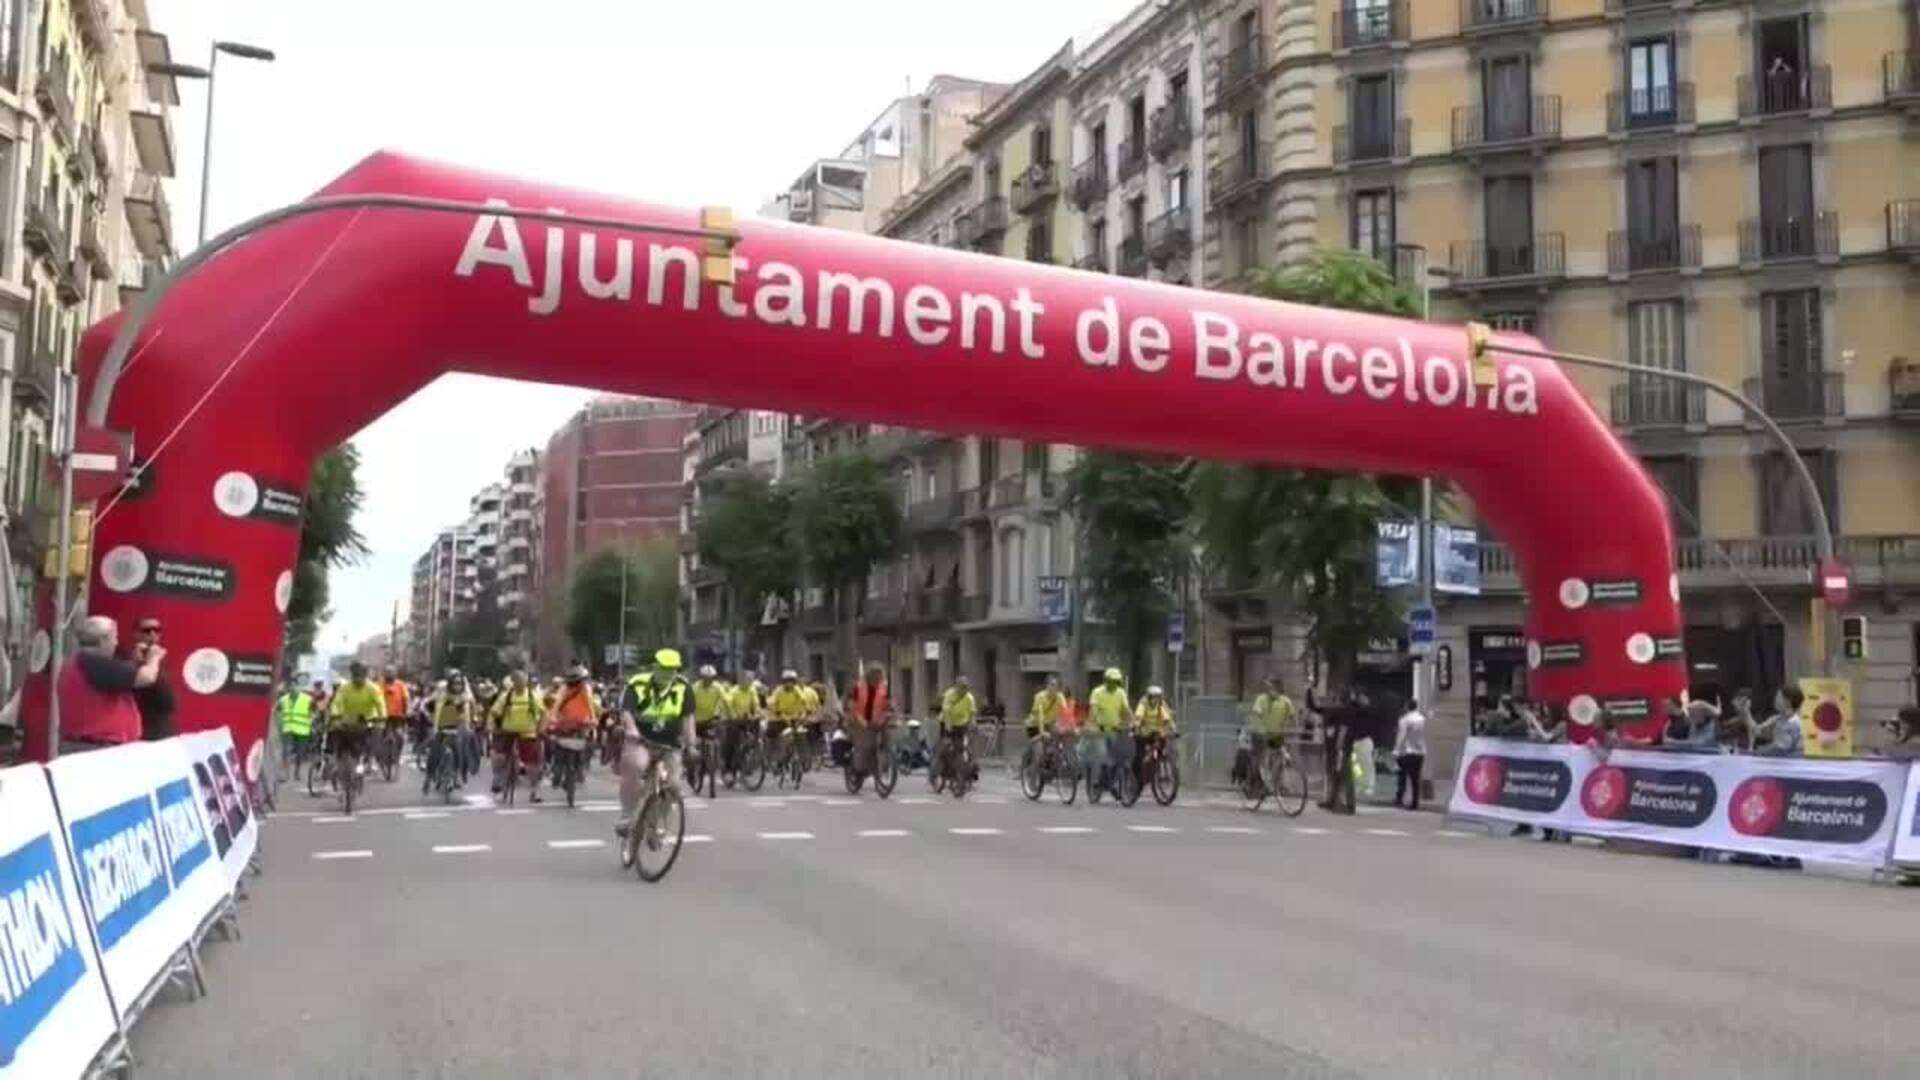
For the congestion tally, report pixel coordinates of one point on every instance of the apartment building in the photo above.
(1731, 189)
(517, 562)
(86, 148)
(447, 581)
(723, 442)
(1139, 174)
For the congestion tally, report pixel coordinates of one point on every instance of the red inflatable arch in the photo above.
(316, 326)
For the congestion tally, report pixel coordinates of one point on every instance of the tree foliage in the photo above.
(746, 532)
(1303, 533)
(1132, 515)
(475, 642)
(652, 589)
(846, 512)
(328, 538)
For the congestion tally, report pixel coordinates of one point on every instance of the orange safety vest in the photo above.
(860, 712)
(575, 708)
(396, 692)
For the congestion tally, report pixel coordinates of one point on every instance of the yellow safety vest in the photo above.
(660, 707)
(711, 701)
(296, 713)
(957, 708)
(790, 703)
(1109, 708)
(518, 711)
(1049, 708)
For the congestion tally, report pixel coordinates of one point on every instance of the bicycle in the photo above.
(441, 764)
(350, 772)
(1120, 780)
(791, 763)
(320, 766)
(660, 823)
(1050, 760)
(1162, 769)
(387, 752)
(751, 765)
(955, 765)
(511, 767)
(569, 764)
(1275, 774)
(886, 767)
(703, 763)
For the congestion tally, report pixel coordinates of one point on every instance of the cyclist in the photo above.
(957, 710)
(450, 710)
(399, 699)
(1048, 711)
(867, 713)
(712, 705)
(788, 707)
(575, 708)
(747, 704)
(293, 710)
(1271, 719)
(517, 713)
(816, 717)
(357, 707)
(1153, 724)
(1102, 738)
(656, 710)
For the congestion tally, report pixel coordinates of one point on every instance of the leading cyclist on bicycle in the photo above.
(712, 708)
(788, 707)
(656, 712)
(1102, 737)
(357, 708)
(1048, 711)
(868, 712)
(958, 707)
(450, 711)
(517, 713)
(1153, 726)
(1271, 719)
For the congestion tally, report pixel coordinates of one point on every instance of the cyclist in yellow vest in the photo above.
(745, 701)
(1102, 737)
(1271, 718)
(450, 711)
(788, 707)
(1048, 711)
(356, 707)
(656, 714)
(1153, 724)
(712, 702)
(293, 711)
(518, 710)
(958, 707)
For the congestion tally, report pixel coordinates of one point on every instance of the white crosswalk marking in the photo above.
(569, 845)
(359, 854)
(516, 812)
(1152, 828)
(839, 802)
(696, 838)
(994, 800)
(1456, 834)
(1234, 830)
(477, 800)
(1067, 830)
(875, 833)
(609, 808)
(975, 832)
(785, 835)
(918, 800)
(1309, 830)
(460, 849)
(334, 819)
(425, 815)
(1385, 832)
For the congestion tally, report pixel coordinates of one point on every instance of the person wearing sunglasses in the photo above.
(155, 699)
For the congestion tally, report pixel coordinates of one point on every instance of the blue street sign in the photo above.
(1420, 628)
(1176, 632)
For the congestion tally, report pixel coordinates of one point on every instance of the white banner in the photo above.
(54, 1013)
(143, 853)
(1906, 838)
(221, 790)
(1828, 810)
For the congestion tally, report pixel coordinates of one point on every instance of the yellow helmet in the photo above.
(668, 659)
(1113, 674)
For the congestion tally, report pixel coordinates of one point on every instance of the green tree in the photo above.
(1305, 534)
(476, 641)
(846, 513)
(1131, 513)
(328, 538)
(651, 578)
(746, 532)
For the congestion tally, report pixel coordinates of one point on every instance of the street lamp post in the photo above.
(192, 71)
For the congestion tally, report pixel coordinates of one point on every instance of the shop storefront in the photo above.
(1253, 659)
(1497, 657)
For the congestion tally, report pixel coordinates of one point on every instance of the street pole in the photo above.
(621, 665)
(206, 146)
(65, 411)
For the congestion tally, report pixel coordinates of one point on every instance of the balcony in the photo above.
(1170, 130)
(1903, 389)
(1650, 108)
(1629, 252)
(153, 141)
(1238, 175)
(883, 611)
(1764, 240)
(1539, 262)
(1369, 26)
(44, 232)
(1900, 78)
(1478, 17)
(93, 246)
(1039, 182)
(56, 104)
(1532, 126)
(1237, 70)
(1618, 8)
(1786, 93)
(1131, 160)
(1792, 392)
(1903, 228)
(935, 513)
(1743, 562)
(1095, 261)
(1170, 236)
(69, 280)
(1089, 182)
(1652, 402)
(932, 605)
(80, 166)
(974, 609)
(800, 205)
(1009, 491)
(36, 369)
(1372, 143)
(1131, 259)
(97, 148)
(149, 216)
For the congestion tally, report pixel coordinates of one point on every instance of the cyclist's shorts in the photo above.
(348, 740)
(528, 746)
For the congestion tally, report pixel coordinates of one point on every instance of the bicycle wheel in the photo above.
(1128, 785)
(1166, 780)
(753, 764)
(1096, 786)
(798, 764)
(710, 754)
(962, 778)
(1289, 787)
(316, 772)
(570, 775)
(886, 769)
(390, 758)
(656, 835)
(1253, 786)
(1033, 778)
(349, 785)
(1066, 779)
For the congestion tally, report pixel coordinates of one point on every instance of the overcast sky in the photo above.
(690, 103)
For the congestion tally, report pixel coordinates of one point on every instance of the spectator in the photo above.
(96, 689)
(1694, 725)
(156, 698)
(1410, 754)
(1783, 727)
(1737, 724)
(1537, 730)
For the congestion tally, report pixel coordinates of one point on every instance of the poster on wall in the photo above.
(1456, 560)
(1397, 554)
(1826, 717)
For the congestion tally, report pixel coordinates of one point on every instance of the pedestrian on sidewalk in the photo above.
(155, 699)
(1410, 754)
(96, 690)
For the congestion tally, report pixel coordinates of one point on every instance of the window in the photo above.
(1653, 212)
(1657, 335)
(1650, 81)
(1041, 147)
(1246, 235)
(1518, 322)
(1784, 510)
(1097, 239)
(1177, 190)
(1509, 225)
(1786, 201)
(1249, 125)
(1177, 91)
(1679, 479)
(990, 177)
(1039, 242)
(1136, 217)
(1781, 58)
(1137, 122)
(1506, 87)
(1372, 225)
(1099, 149)
(1013, 563)
(1370, 112)
(1793, 382)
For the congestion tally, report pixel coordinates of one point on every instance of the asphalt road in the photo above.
(823, 936)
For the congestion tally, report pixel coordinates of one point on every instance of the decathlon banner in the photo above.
(1906, 837)
(1829, 810)
(221, 790)
(143, 854)
(54, 1013)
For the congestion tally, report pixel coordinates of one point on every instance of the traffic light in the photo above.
(80, 548)
(1479, 338)
(1853, 637)
(716, 265)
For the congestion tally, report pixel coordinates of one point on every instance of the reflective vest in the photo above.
(956, 708)
(397, 699)
(575, 708)
(1272, 714)
(1155, 717)
(790, 703)
(745, 701)
(518, 711)
(1108, 706)
(296, 713)
(1049, 708)
(869, 711)
(711, 701)
(450, 710)
(660, 706)
(356, 705)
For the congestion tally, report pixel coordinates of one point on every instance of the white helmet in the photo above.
(706, 671)
(788, 674)
(1154, 691)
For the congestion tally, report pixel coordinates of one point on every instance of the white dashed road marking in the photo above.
(425, 815)
(1067, 830)
(516, 812)
(477, 800)
(975, 832)
(994, 800)
(884, 832)
(1384, 832)
(334, 819)
(569, 845)
(786, 836)
(918, 800)
(696, 838)
(1152, 828)
(1235, 830)
(460, 849)
(839, 802)
(1458, 835)
(601, 809)
(362, 854)
(1309, 830)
